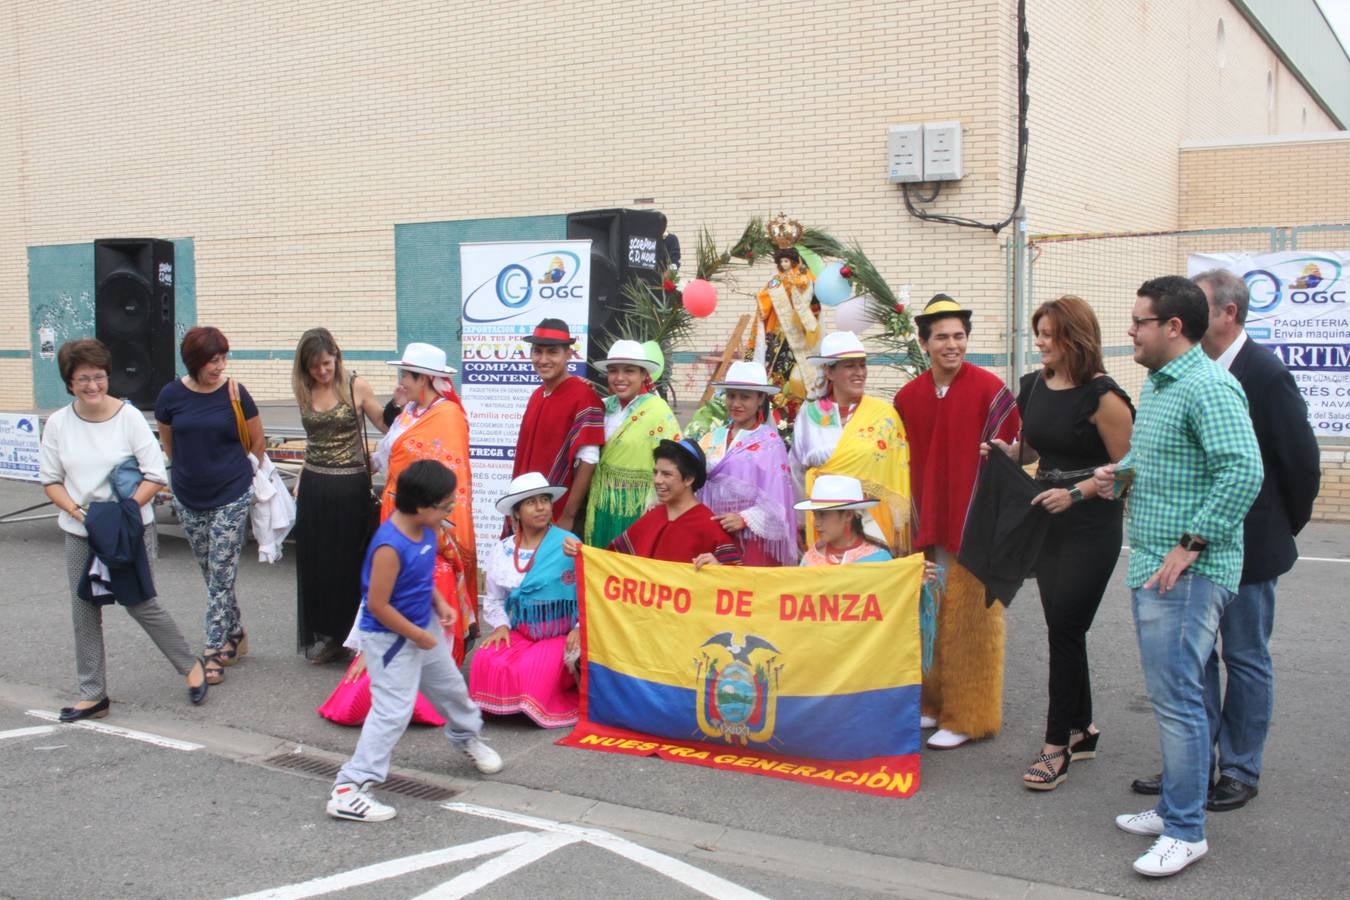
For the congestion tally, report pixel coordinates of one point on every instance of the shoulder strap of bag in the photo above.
(360, 417)
(239, 421)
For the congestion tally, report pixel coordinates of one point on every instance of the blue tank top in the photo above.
(412, 588)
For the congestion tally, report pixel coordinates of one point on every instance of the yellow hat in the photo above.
(941, 307)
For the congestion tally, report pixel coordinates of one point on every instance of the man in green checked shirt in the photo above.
(1196, 469)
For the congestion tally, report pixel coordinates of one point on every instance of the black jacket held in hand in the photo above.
(1004, 532)
(117, 538)
(1291, 458)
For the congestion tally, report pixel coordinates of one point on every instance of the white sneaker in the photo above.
(927, 722)
(1147, 823)
(349, 801)
(1168, 856)
(484, 757)
(943, 739)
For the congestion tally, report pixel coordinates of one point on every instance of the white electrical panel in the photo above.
(941, 151)
(904, 146)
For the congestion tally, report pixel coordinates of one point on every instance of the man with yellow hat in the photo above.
(948, 411)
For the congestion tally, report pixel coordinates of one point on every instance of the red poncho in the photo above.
(692, 533)
(554, 428)
(944, 447)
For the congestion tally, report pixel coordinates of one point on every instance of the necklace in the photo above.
(515, 556)
(836, 560)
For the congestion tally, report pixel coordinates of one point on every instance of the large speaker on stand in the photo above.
(625, 243)
(134, 315)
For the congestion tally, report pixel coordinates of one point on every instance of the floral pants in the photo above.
(217, 538)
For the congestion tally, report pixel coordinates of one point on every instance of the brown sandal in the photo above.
(211, 665)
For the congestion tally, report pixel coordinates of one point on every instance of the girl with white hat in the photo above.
(836, 506)
(846, 432)
(749, 486)
(527, 661)
(636, 420)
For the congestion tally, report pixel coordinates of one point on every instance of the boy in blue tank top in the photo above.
(403, 654)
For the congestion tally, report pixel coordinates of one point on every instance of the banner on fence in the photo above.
(507, 289)
(20, 446)
(808, 674)
(1300, 308)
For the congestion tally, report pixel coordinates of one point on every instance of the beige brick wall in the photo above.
(1299, 182)
(1333, 500)
(289, 139)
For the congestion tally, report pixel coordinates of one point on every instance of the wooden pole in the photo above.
(733, 346)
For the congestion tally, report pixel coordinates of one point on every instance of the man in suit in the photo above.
(1239, 723)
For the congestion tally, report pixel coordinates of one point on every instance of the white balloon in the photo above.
(851, 315)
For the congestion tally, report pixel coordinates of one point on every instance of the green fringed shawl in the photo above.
(621, 489)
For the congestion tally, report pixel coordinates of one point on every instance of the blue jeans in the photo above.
(1241, 722)
(1177, 631)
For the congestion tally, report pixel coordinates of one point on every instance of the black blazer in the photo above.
(1291, 458)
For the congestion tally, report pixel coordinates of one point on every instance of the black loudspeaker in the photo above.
(624, 243)
(134, 315)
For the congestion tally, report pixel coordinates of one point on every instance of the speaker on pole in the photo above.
(625, 243)
(134, 315)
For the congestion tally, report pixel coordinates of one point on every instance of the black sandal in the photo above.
(211, 665)
(1085, 747)
(234, 649)
(1042, 775)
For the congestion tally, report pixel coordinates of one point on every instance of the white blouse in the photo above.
(80, 455)
(502, 578)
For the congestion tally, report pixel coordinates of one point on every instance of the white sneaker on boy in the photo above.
(350, 801)
(1147, 823)
(485, 759)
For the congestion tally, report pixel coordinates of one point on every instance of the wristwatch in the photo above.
(1192, 542)
(1075, 494)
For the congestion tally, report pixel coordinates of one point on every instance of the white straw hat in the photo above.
(523, 487)
(423, 358)
(838, 345)
(629, 353)
(836, 492)
(744, 375)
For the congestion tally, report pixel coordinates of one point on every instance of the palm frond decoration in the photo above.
(654, 314)
(711, 261)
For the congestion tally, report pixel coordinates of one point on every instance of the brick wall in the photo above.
(1299, 181)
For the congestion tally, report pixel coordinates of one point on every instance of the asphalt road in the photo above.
(108, 816)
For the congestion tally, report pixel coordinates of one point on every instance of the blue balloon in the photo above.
(832, 288)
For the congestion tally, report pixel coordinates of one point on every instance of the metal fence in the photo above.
(1107, 269)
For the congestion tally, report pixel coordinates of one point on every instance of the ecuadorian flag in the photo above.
(811, 674)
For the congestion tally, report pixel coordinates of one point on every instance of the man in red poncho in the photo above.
(564, 423)
(948, 412)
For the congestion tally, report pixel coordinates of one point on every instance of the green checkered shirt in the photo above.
(1197, 469)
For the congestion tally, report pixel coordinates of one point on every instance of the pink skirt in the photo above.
(350, 703)
(529, 677)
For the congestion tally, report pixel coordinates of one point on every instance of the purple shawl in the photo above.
(753, 479)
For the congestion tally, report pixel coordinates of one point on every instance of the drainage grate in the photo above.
(394, 784)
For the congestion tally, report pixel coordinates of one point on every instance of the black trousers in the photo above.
(1072, 572)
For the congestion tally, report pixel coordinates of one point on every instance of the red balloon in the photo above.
(700, 298)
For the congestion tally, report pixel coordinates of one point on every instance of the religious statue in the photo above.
(787, 327)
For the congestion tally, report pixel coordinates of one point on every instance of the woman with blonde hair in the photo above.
(332, 495)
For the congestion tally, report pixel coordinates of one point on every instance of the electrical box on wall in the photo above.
(941, 151)
(904, 153)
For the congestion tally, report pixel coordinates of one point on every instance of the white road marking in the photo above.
(677, 870)
(27, 732)
(1321, 559)
(533, 850)
(393, 868)
(144, 737)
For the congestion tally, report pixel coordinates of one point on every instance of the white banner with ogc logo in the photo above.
(1300, 308)
(507, 289)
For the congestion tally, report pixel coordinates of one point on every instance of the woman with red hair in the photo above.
(209, 426)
